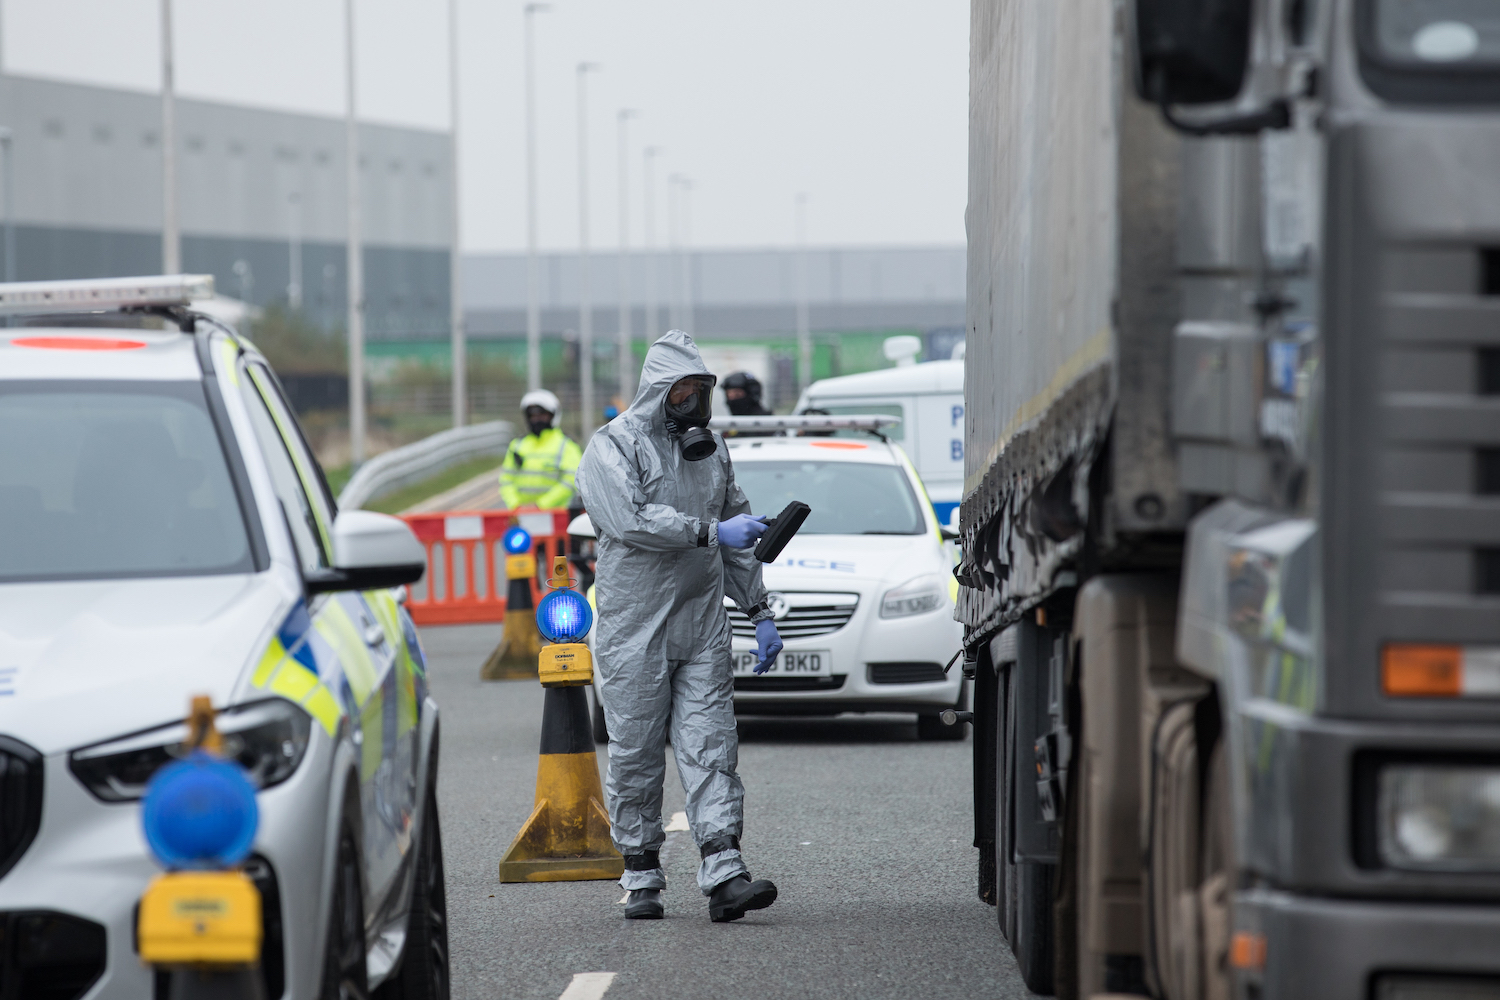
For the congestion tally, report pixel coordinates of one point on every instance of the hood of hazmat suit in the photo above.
(663, 639)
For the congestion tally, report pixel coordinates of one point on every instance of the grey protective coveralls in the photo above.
(663, 637)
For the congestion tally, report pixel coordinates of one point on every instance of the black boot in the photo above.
(733, 898)
(644, 904)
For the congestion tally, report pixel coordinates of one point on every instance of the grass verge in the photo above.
(395, 503)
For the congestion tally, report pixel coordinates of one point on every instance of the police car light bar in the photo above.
(97, 294)
(813, 422)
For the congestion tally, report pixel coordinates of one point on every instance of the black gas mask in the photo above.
(688, 406)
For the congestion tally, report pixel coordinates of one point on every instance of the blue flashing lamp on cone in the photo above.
(201, 921)
(566, 837)
(515, 657)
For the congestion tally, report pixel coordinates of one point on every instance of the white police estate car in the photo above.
(863, 594)
(165, 532)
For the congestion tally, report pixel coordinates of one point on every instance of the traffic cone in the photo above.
(566, 838)
(520, 642)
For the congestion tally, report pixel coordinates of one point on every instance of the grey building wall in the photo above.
(88, 200)
(731, 292)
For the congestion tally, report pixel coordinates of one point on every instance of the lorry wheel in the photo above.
(423, 974)
(1033, 941)
(601, 729)
(344, 949)
(1005, 904)
(1023, 888)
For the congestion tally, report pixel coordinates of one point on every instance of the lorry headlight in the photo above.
(267, 738)
(915, 597)
(1437, 817)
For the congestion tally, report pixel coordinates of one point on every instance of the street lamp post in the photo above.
(674, 281)
(585, 298)
(8, 182)
(683, 239)
(294, 252)
(459, 348)
(533, 307)
(625, 357)
(648, 233)
(804, 334)
(171, 240)
(356, 290)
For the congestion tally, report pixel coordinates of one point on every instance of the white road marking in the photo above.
(679, 822)
(588, 986)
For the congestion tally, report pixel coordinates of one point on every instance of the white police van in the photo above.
(165, 532)
(928, 400)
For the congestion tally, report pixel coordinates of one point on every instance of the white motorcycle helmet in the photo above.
(541, 397)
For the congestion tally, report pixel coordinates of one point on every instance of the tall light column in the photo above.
(586, 419)
(625, 357)
(355, 249)
(685, 240)
(648, 234)
(458, 345)
(294, 251)
(171, 239)
(9, 166)
(804, 332)
(674, 281)
(533, 305)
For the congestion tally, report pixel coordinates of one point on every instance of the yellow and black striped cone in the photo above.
(520, 643)
(566, 839)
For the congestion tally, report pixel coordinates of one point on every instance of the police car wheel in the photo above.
(423, 973)
(344, 952)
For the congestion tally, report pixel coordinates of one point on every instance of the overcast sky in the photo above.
(862, 105)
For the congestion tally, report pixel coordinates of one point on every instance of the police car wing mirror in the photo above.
(780, 530)
(948, 536)
(370, 552)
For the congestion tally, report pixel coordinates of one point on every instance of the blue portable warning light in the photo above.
(517, 541)
(200, 813)
(564, 616)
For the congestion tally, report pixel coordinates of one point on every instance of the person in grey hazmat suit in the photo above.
(674, 534)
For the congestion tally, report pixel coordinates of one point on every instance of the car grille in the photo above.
(20, 800)
(49, 956)
(832, 683)
(906, 673)
(808, 615)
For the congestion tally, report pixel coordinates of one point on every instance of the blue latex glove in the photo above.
(769, 642)
(741, 530)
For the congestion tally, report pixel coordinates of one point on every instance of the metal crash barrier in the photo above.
(465, 581)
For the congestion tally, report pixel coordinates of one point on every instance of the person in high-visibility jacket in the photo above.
(540, 468)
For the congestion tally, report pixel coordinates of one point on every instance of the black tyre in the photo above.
(931, 727)
(601, 729)
(344, 951)
(423, 974)
(1033, 941)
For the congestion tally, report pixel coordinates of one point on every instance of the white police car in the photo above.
(863, 595)
(165, 532)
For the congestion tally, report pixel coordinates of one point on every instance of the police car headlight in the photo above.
(1440, 817)
(268, 738)
(915, 597)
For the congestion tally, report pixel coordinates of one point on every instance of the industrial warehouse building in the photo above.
(257, 191)
(262, 207)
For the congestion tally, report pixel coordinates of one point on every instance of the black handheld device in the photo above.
(780, 530)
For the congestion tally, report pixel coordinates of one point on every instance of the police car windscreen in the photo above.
(103, 480)
(847, 498)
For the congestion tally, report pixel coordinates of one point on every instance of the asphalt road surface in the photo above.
(865, 831)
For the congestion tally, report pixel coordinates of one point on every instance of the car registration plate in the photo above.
(802, 663)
